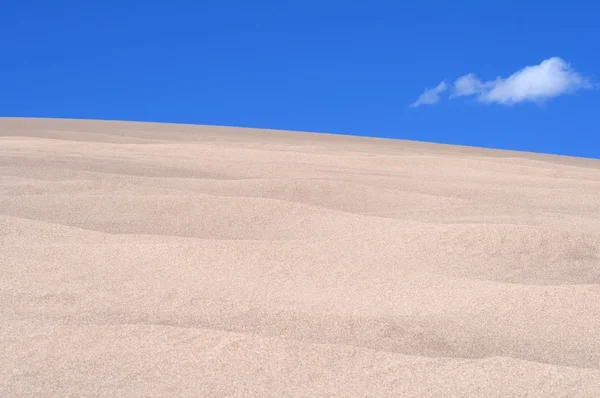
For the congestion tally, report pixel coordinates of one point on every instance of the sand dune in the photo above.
(144, 259)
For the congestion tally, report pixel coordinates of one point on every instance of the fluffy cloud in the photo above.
(431, 95)
(551, 78)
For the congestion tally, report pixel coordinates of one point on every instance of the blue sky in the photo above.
(327, 66)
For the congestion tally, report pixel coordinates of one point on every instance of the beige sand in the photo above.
(143, 259)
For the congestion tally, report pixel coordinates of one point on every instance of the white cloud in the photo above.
(551, 78)
(430, 96)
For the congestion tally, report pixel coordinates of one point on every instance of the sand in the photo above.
(142, 259)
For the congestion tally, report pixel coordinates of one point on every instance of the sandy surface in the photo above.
(168, 260)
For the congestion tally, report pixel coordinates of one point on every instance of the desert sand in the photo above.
(141, 259)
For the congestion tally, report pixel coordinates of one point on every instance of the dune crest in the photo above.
(153, 259)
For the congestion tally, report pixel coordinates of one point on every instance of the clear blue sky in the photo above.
(327, 66)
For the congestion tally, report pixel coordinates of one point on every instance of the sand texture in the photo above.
(141, 259)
